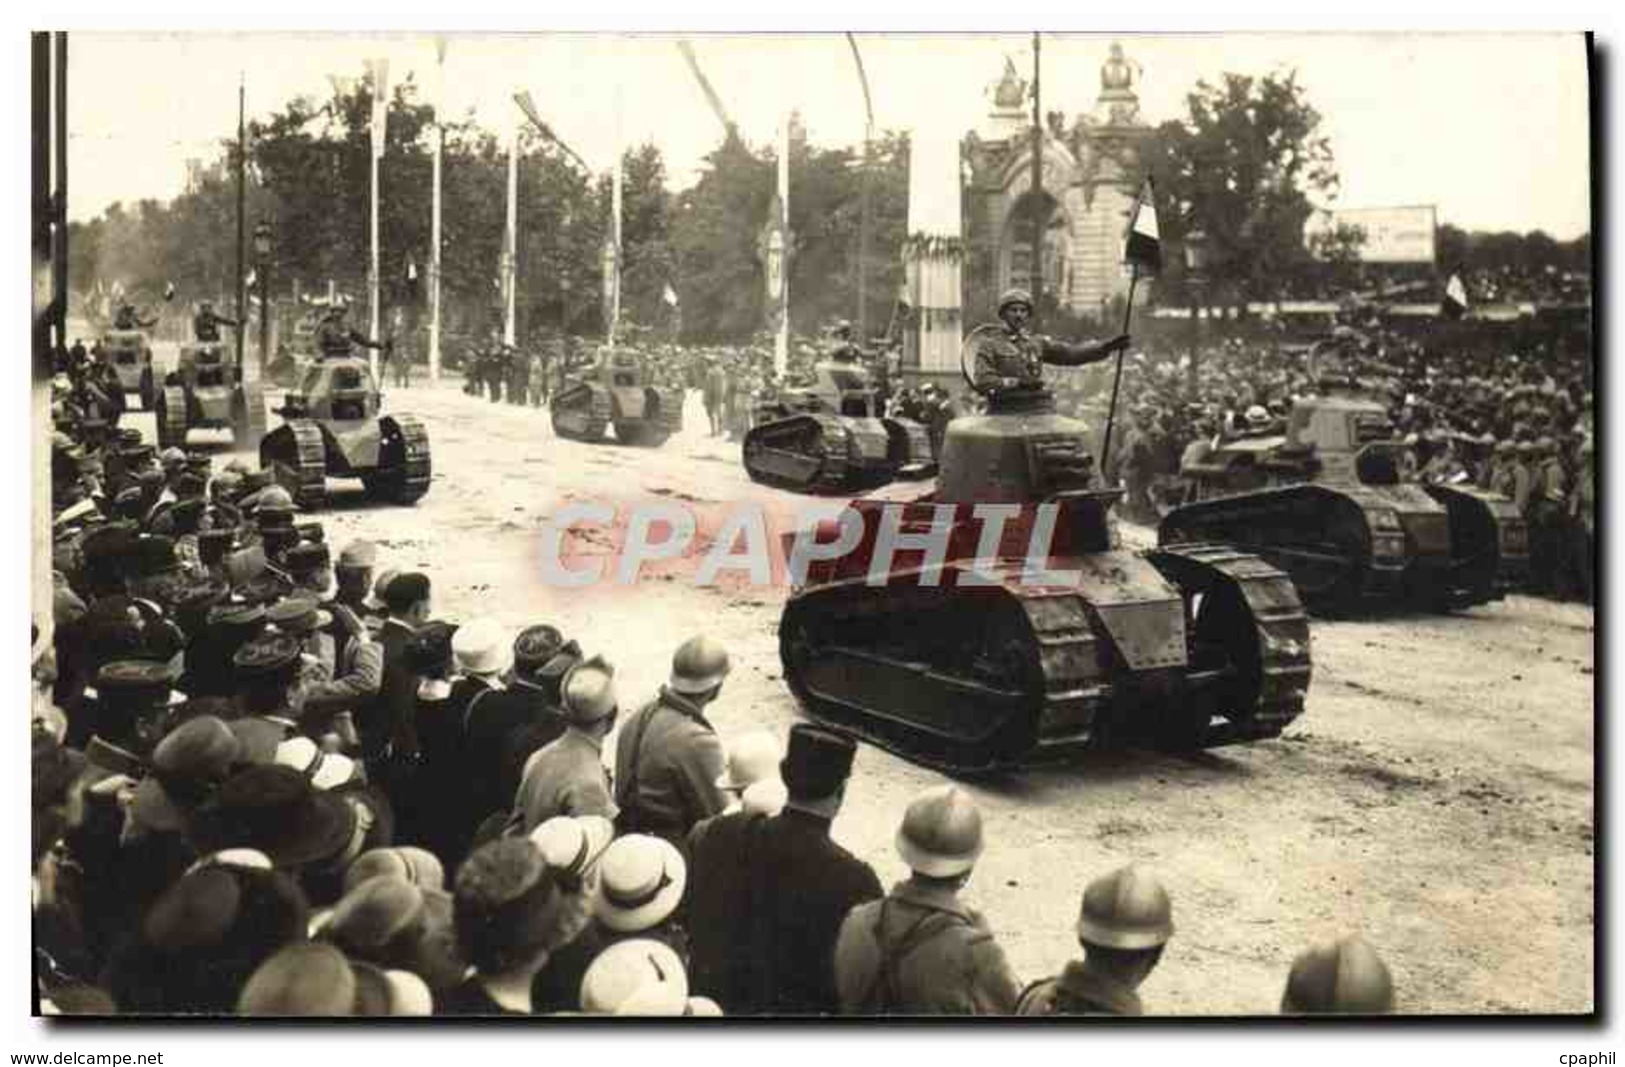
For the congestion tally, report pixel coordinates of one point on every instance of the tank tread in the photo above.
(597, 413)
(416, 468)
(309, 488)
(1283, 627)
(833, 473)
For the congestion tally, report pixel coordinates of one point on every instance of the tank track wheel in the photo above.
(296, 454)
(403, 460)
(1249, 625)
(581, 414)
(170, 417)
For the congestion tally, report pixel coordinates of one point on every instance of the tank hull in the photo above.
(1185, 648)
(1349, 547)
(818, 452)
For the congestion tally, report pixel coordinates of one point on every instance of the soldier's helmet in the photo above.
(841, 329)
(1127, 909)
(1344, 977)
(699, 665)
(941, 834)
(1012, 297)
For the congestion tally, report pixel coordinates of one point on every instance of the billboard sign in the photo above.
(1392, 234)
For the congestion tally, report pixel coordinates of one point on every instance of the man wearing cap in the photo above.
(668, 757)
(921, 951)
(541, 659)
(352, 582)
(567, 776)
(769, 893)
(1123, 924)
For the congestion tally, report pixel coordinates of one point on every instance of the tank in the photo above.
(204, 391)
(617, 390)
(1327, 500)
(332, 429)
(130, 353)
(831, 436)
(976, 669)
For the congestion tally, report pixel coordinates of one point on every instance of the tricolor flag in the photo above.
(670, 295)
(169, 290)
(378, 74)
(1142, 245)
(1455, 298)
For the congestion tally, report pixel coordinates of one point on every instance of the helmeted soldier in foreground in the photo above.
(1124, 922)
(1015, 358)
(1345, 977)
(128, 318)
(921, 951)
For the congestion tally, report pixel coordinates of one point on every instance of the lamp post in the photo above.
(262, 260)
(1197, 252)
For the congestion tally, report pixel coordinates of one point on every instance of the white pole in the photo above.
(434, 218)
(372, 268)
(510, 240)
(615, 222)
(781, 343)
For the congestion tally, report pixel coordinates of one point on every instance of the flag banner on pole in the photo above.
(669, 295)
(1142, 245)
(378, 70)
(1455, 298)
(411, 269)
(169, 290)
(248, 281)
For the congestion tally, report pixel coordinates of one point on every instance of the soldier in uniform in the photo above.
(336, 338)
(1124, 923)
(1014, 358)
(128, 318)
(206, 323)
(842, 350)
(921, 951)
(1346, 977)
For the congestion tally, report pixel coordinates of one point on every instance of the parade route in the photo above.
(1437, 794)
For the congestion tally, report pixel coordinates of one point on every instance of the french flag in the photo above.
(1142, 246)
(1455, 298)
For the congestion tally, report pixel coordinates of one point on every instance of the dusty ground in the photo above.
(1437, 794)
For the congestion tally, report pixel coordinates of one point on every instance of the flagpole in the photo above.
(510, 239)
(434, 213)
(378, 89)
(781, 346)
(615, 221)
(242, 169)
(1117, 379)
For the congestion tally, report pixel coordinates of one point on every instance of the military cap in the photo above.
(130, 438)
(135, 681)
(534, 646)
(297, 615)
(201, 596)
(267, 656)
(264, 588)
(817, 761)
(358, 555)
(1015, 296)
(172, 457)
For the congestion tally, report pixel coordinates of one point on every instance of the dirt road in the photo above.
(1437, 795)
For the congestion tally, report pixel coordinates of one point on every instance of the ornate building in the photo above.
(1090, 172)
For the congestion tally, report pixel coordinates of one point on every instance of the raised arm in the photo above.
(1077, 354)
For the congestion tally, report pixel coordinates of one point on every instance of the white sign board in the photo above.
(1392, 234)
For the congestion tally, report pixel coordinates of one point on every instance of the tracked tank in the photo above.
(1327, 501)
(332, 428)
(831, 436)
(617, 390)
(998, 647)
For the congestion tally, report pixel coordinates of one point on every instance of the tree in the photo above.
(714, 232)
(1243, 165)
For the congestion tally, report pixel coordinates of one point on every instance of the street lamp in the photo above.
(1197, 252)
(262, 260)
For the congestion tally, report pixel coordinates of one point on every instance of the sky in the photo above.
(1492, 128)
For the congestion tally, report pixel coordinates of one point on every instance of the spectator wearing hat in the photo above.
(352, 580)
(332, 703)
(316, 981)
(668, 757)
(417, 796)
(202, 939)
(541, 659)
(394, 923)
(1344, 977)
(640, 978)
(187, 769)
(752, 777)
(479, 717)
(921, 951)
(641, 883)
(567, 776)
(299, 617)
(207, 664)
(387, 723)
(1123, 925)
(130, 703)
(511, 912)
(769, 893)
(266, 672)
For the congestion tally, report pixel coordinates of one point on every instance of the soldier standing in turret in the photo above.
(336, 338)
(128, 318)
(1013, 359)
(206, 323)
